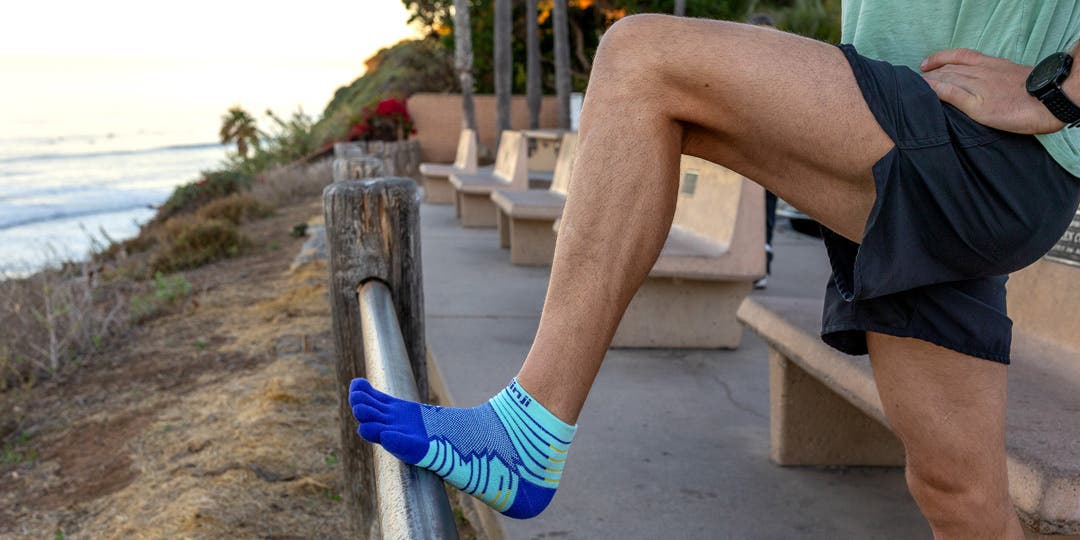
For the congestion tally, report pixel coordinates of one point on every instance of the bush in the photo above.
(214, 185)
(190, 242)
(167, 292)
(236, 209)
(50, 318)
(288, 185)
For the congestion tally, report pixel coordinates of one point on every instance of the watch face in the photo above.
(1048, 71)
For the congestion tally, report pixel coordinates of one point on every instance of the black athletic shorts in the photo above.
(959, 206)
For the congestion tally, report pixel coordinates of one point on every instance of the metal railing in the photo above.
(412, 502)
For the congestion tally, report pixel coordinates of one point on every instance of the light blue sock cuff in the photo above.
(557, 428)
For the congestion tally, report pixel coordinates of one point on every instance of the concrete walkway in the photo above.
(672, 444)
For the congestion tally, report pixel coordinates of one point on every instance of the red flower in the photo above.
(359, 130)
(389, 107)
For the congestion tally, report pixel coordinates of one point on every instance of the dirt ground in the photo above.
(216, 421)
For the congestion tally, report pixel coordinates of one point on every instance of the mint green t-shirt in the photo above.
(903, 32)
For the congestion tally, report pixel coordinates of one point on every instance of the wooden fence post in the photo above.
(373, 232)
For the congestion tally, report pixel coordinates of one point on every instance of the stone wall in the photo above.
(437, 118)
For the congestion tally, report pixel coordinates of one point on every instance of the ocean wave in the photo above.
(109, 153)
(31, 215)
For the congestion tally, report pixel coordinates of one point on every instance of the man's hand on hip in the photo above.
(988, 89)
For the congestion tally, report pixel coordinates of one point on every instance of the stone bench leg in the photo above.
(811, 425)
(503, 225)
(476, 210)
(674, 313)
(532, 242)
(438, 190)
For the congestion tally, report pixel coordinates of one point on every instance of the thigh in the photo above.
(947, 408)
(780, 109)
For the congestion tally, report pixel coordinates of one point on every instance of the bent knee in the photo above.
(646, 44)
(961, 502)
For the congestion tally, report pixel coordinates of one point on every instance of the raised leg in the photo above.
(948, 409)
(776, 107)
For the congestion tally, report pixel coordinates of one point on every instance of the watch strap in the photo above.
(1061, 106)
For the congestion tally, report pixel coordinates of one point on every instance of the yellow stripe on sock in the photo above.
(506, 502)
(553, 460)
(556, 449)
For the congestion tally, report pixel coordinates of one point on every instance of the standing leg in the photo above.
(948, 409)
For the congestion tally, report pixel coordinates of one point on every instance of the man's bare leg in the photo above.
(778, 108)
(948, 409)
(786, 112)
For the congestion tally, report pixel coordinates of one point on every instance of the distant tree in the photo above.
(504, 64)
(562, 62)
(532, 64)
(463, 61)
(680, 7)
(238, 126)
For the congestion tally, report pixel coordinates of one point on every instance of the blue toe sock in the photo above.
(508, 452)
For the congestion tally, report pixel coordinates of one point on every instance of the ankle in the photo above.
(564, 405)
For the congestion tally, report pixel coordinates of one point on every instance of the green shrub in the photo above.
(236, 209)
(166, 292)
(192, 196)
(189, 242)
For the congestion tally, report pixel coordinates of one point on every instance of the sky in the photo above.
(72, 67)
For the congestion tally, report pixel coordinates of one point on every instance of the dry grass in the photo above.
(55, 316)
(190, 242)
(253, 455)
(236, 209)
(292, 184)
(51, 318)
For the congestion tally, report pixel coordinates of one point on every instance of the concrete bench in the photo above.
(825, 409)
(543, 155)
(525, 218)
(713, 254)
(472, 191)
(436, 176)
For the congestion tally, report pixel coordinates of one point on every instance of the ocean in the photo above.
(62, 195)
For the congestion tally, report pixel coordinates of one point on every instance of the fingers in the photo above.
(952, 94)
(967, 57)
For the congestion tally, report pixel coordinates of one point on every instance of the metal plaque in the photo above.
(1067, 250)
(689, 182)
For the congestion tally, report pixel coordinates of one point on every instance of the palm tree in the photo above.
(238, 126)
(463, 60)
(680, 8)
(562, 62)
(504, 65)
(532, 64)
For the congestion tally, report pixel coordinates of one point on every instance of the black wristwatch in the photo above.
(1045, 84)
